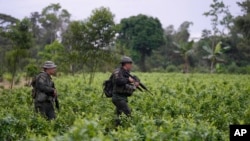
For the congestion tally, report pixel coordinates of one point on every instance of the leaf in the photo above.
(208, 49)
(210, 56)
(176, 45)
(205, 57)
(218, 48)
(190, 45)
(219, 60)
(224, 49)
(227, 47)
(190, 52)
(177, 51)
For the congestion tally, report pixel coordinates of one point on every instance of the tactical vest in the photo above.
(41, 96)
(127, 89)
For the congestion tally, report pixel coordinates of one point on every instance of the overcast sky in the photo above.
(168, 11)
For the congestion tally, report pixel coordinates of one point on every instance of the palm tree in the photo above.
(185, 49)
(214, 54)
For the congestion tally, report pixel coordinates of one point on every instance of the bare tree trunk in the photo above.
(71, 68)
(13, 73)
(92, 73)
(186, 65)
(12, 79)
(27, 79)
(212, 60)
(212, 67)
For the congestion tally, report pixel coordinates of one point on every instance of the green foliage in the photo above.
(7, 76)
(17, 79)
(242, 24)
(142, 34)
(172, 68)
(96, 43)
(91, 41)
(1, 75)
(170, 52)
(182, 35)
(233, 68)
(220, 15)
(7, 19)
(183, 107)
(31, 70)
(53, 19)
(185, 50)
(214, 54)
(57, 53)
(21, 40)
(100, 31)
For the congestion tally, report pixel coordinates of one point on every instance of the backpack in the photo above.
(33, 84)
(108, 87)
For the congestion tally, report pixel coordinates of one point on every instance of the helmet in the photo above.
(126, 59)
(49, 65)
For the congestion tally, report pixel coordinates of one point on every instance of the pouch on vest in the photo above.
(41, 97)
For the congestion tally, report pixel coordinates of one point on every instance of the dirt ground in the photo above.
(6, 85)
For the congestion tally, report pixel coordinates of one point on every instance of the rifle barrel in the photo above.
(139, 89)
(141, 84)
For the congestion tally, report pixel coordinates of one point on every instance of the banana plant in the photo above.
(214, 54)
(185, 49)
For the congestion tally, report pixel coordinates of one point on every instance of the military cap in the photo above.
(49, 65)
(126, 59)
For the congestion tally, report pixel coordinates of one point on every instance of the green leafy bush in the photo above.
(172, 68)
(183, 107)
(7, 76)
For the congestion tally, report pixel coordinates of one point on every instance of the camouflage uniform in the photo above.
(44, 95)
(44, 92)
(121, 90)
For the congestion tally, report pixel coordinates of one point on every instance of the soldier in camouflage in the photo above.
(45, 91)
(124, 86)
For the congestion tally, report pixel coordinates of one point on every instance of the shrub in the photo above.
(31, 70)
(172, 68)
(1, 75)
(7, 76)
(18, 79)
(233, 68)
(183, 107)
(244, 70)
(201, 70)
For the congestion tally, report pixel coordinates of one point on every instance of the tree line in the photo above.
(97, 42)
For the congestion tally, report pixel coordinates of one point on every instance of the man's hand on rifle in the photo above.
(131, 80)
(55, 93)
(136, 83)
(56, 100)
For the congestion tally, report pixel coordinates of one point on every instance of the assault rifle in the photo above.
(57, 103)
(141, 86)
(56, 99)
